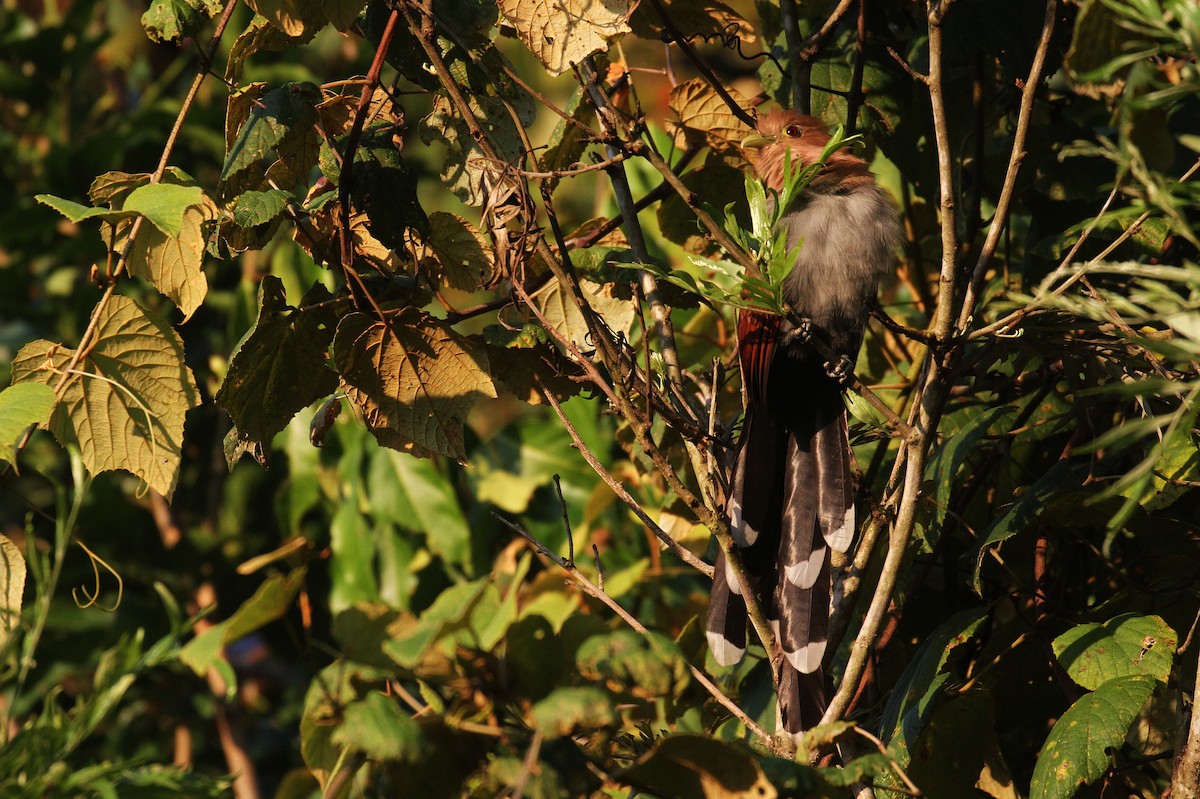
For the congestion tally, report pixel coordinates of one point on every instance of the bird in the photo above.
(791, 492)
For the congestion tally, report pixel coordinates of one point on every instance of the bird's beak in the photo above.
(755, 141)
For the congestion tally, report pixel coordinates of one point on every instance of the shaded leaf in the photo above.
(376, 726)
(259, 207)
(280, 366)
(273, 121)
(125, 402)
(306, 17)
(696, 767)
(569, 710)
(414, 381)
(1076, 751)
(12, 587)
(647, 665)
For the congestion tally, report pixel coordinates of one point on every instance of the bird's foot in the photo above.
(801, 332)
(841, 371)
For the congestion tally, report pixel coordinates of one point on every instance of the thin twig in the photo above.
(1016, 156)
(593, 590)
(566, 519)
(619, 489)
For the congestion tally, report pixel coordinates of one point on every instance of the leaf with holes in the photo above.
(461, 251)
(125, 400)
(561, 33)
(414, 381)
(705, 118)
(1123, 646)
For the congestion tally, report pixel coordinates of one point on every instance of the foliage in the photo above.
(400, 263)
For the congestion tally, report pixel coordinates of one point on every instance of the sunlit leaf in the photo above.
(21, 406)
(125, 401)
(562, 33)
(1123, 646)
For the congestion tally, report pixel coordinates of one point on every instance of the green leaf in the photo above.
(172, 20)
(919, 686)
(269, 602)
(414, 381)
(12, 588)
(281, 365)
(352, 567)
(1076, 752)
(694, 766)
(376, 726)
(164, 204)
(414, 495)
(276, 118)
(255, 208)
(125, 401)
(22, 405)
(646, 665)
(77, 212)
(567, 710)
(1123, 646)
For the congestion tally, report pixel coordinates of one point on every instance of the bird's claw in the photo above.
(840, 371)
(801, 332)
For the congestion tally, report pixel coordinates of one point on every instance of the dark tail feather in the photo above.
(726, 624)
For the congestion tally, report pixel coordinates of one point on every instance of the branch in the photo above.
(608, 116)
(942, 318)
(1000, 217)
(698, 63)
(593, 590)
(618, 489)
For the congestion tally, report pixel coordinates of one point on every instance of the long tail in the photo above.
(791, 501)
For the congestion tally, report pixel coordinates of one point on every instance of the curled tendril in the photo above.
(728, 37)
(94, 595)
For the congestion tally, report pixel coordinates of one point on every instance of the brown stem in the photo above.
(593, 590)
(1000, 218)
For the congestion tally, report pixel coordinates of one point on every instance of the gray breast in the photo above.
(847, 241)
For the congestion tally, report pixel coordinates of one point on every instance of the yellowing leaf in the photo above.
(125, 400)
(562, 33)
(306, 17)
(414, 381)
(704, 117)
(174, 266)
(460, 249)
(12, 587)
(561, 312)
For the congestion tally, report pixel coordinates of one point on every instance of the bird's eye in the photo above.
(795, 131)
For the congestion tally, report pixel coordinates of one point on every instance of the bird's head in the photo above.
(782, 132)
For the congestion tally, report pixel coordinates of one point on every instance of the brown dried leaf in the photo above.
(460, 251)
(413, 381)
(561, 33)
(705, 118)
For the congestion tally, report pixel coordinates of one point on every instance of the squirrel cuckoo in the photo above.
(792, 494)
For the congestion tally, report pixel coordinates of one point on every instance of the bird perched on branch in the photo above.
(791, 494)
